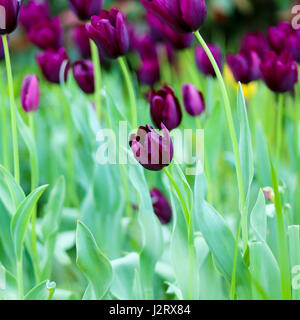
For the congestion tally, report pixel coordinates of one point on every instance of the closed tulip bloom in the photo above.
(47, 34)
(193, 100)
(81, 39)
(161, 206)
(84, 75)
(255, 41)
(85, 9)
(30, 94)
(50, 62)
(203, 61)
(165, 108)
(245, 66)
(280, 72)
(34, 12)
(183, 16)
(151, 150)
(149, 72)
(278, 35)
(10, 10)
(110, 33)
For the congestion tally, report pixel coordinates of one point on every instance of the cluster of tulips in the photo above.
(102, 35)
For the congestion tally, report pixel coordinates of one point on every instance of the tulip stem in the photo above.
(233, 139)
(279, 129)
(97, 71)
(34, 184)
(130, 88)
(14, 131)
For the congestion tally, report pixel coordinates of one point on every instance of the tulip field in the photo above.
(146, 153)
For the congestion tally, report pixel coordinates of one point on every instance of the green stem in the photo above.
(20, 278)
(130, 88)
(97, 71)
(34, 184)
(14, 131)
(234, 140)
(188, 218)
(279, 129)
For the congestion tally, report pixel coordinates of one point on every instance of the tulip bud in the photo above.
(165, 108)
(85, 9)
(193, 100)
(33, 13)
(255, 41)
(182, 16)
(245, 66)
(203, 61)
(82, 41)
(280, 73)
(151, 150)
(47, 34)
(110, 33)
(84, 75)
(277, 36)
(50, 62)
(30, 94)
(9, 12)
(161, 206)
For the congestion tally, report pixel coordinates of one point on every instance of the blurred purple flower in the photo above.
(161, 206)
(149, 72)
(1, 49)
(110, 33)
(81, 39)
(165, 108)
(280, 72)
(9, 13)
(30, 94)
(152, 151)
(84, 75)
(193, 100)
(85, 9)
(203, 61)
(255, 41)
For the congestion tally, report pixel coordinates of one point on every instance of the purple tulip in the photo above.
(280, 72)
(278, 35)
(161, 206)
(159, 29)
(34, 12)
(193, 100)
(245, 66)
(255, 41)
(81, 39)
(182, 16)
(145, 46)
(165, 108)
(1, 49)
(149, 72)
(85, 9)
(84, 75)
(10, 10)
(47, 34)
(203, 61)
(30, 94)
(110, 33)
(151, 150)
(50, 62)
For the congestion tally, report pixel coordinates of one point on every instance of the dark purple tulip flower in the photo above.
(145, 46)
(255, 41)
(162, 31)
(84, 75)
(10, 10)
(34, 12)
(183, 16)
(280, 72)
(81, 39)
(203, 61)
(85, 9)
(50, 62)
(245, 66)
(149, 72)
(47, 34)
(165, 108)
(110, 33)
(1, 49)
(151, 150)
(161, 206)
(277, 36)
(30, 94)
(193, 100)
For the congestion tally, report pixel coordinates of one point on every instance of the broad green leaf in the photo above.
(42, 291)
(95, 266)
(262, 159)
(258, 218)
(20, 221)
(8, 285)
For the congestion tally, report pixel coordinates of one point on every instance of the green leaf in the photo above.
(20, 221)
(42, 291)
(294, 250)
(262, 159)
(92, 262)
